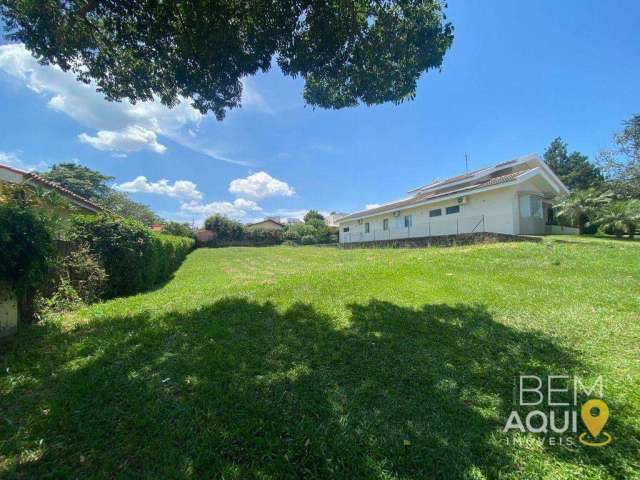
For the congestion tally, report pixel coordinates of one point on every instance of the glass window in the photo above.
(385, 224)
(408, 220)
(435, 213)
(531, 206)
(345, 229)
(454, 209)
(536, 207)
(366, 227)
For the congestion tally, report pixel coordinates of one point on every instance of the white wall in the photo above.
(491, 211)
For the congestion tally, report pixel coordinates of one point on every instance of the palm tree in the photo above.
(633, 216)
(580, 205)
(613, 218)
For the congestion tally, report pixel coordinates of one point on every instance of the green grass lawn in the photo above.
(321, 363)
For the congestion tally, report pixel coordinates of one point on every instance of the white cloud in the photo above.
(260, 185)
(120, 125)
(246, 204)
(13, 160)
(251, 98)
(131, 139)
(237, 209)
(179, 188)
(369, 206)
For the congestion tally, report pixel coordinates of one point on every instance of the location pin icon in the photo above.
(594, 424)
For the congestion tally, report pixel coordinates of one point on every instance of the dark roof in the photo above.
(49, 184)
(432, 195)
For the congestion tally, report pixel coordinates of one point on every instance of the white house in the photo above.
(512, 197)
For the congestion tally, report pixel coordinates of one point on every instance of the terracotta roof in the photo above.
(48, 183)
(432, 195)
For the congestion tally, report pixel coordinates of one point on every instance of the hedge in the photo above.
(134, 257)
(26, 246)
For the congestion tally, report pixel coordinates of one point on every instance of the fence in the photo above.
(433, 228)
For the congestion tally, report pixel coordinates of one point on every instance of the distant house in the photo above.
(203, 236)
(512, 197)
(266, 224)
(333, 218)
(15, 175)
(293, 221)
(156, 227)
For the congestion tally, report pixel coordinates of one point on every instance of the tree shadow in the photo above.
(240, 389)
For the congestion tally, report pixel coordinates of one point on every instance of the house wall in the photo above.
(269, 226)
(528, 225)
(491, 211)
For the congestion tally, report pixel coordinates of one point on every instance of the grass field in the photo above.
(321, 363)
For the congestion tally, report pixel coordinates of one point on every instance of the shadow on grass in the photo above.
(241, 389)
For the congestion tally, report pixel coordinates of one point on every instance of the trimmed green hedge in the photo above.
(134, 257)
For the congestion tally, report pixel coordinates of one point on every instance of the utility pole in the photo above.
(466, 161)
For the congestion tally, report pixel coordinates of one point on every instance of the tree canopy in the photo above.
(92, 185)
(574, 169)
(81, 180)
(347, 51)
(622, 162)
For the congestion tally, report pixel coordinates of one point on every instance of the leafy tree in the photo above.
(347, 51)
(622, 163)
(574, 169)
(121, 204)
(579, 206)
(179, 229)
(81, 180)
(92, 185)
(224, 228)
(313, 216)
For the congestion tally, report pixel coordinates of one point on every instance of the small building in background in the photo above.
(268, 224)
(157, 227)
(333, 218)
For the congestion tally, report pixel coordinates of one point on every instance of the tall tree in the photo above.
(574, 169)
(80, 180)
(121, 204)
(622, 162)
(93, 185)
(347, 51)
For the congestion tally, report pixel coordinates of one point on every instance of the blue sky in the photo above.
(519, 74)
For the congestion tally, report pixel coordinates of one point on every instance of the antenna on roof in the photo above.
(466, 161)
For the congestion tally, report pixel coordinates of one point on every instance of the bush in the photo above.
(134, 257)
(308, 240)
(27, 248)
(85, 274)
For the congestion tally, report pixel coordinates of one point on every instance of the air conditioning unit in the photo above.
(396, 213)
(463, 200)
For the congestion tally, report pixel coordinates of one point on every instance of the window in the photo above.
(408, 221)
(366, 227)
(531, 206)
(345, 229)
(454, 209)
(385, 224)
(435, 213)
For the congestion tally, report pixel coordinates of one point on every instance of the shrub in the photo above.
(179, 230)
(134, 257)
(292, 236)
(27, 248)
(308, 240)
(83, 271)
